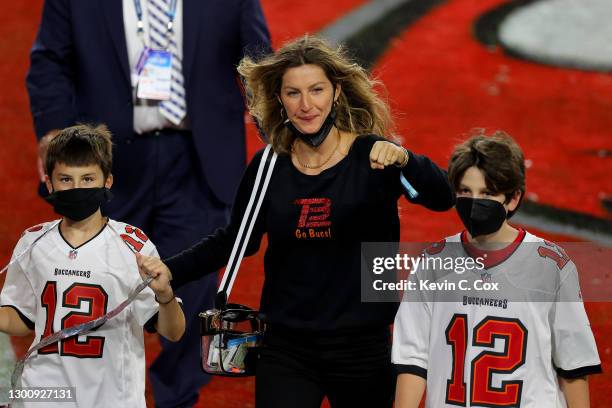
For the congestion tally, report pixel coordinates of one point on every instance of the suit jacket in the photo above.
(80, 73)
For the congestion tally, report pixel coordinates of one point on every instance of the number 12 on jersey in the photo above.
(72, 298)
(487, 363)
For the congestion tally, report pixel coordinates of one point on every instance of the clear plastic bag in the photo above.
(230, 340)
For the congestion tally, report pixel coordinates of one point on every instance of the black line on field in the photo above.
(372, 40)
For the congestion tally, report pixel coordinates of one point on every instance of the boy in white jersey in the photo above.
(528, 345)
(80, 269)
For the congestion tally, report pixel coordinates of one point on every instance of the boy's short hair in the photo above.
(499, 158)
(81, 145)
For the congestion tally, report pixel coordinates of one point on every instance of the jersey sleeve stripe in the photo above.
(579, 372)
(150, 324)
(29, 323)
(411, 369)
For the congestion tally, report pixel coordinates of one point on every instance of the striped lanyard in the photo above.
(171, 13)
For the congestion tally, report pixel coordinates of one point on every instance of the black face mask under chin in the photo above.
(480, 216)
(314, 139)
(77, 204)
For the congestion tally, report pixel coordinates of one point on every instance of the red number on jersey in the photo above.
(135, 231)
(73, 298)
(35, 228)
(456, 337)
(48, 300)
(97, 299)
(557, 254)
(487, 363)
(136, 243)
(436, 247)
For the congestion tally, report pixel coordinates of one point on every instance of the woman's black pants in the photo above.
(352, 369)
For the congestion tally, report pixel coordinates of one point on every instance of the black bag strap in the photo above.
(264, 173)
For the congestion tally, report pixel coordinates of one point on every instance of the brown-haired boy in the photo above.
(528, 344)
(77, 270)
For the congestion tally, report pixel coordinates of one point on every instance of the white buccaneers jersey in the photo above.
(496, 348)
(54, 286)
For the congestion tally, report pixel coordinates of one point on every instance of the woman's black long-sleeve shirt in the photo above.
(315, 226)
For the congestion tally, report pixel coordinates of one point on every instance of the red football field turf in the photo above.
(441, 83)
(444, 83)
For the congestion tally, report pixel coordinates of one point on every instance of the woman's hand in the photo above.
(385, 153)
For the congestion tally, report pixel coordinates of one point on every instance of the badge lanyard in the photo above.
(140, 25)
(153, 70)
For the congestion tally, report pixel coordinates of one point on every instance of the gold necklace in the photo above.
(318, 166)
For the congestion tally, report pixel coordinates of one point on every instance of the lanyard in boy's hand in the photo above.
(29, 247)
(81, 329)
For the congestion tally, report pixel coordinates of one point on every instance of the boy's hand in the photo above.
(152, 266)
(384, 154)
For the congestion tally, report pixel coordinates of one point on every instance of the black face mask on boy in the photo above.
(77, 204)
(481, 216)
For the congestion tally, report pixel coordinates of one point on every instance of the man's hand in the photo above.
(385, 153)
(152, 266)
(43, 145)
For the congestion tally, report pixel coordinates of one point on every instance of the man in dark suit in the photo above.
(179, 154)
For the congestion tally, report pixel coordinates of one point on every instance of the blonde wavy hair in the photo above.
(359, 108)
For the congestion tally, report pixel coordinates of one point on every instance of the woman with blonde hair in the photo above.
(336, 184)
